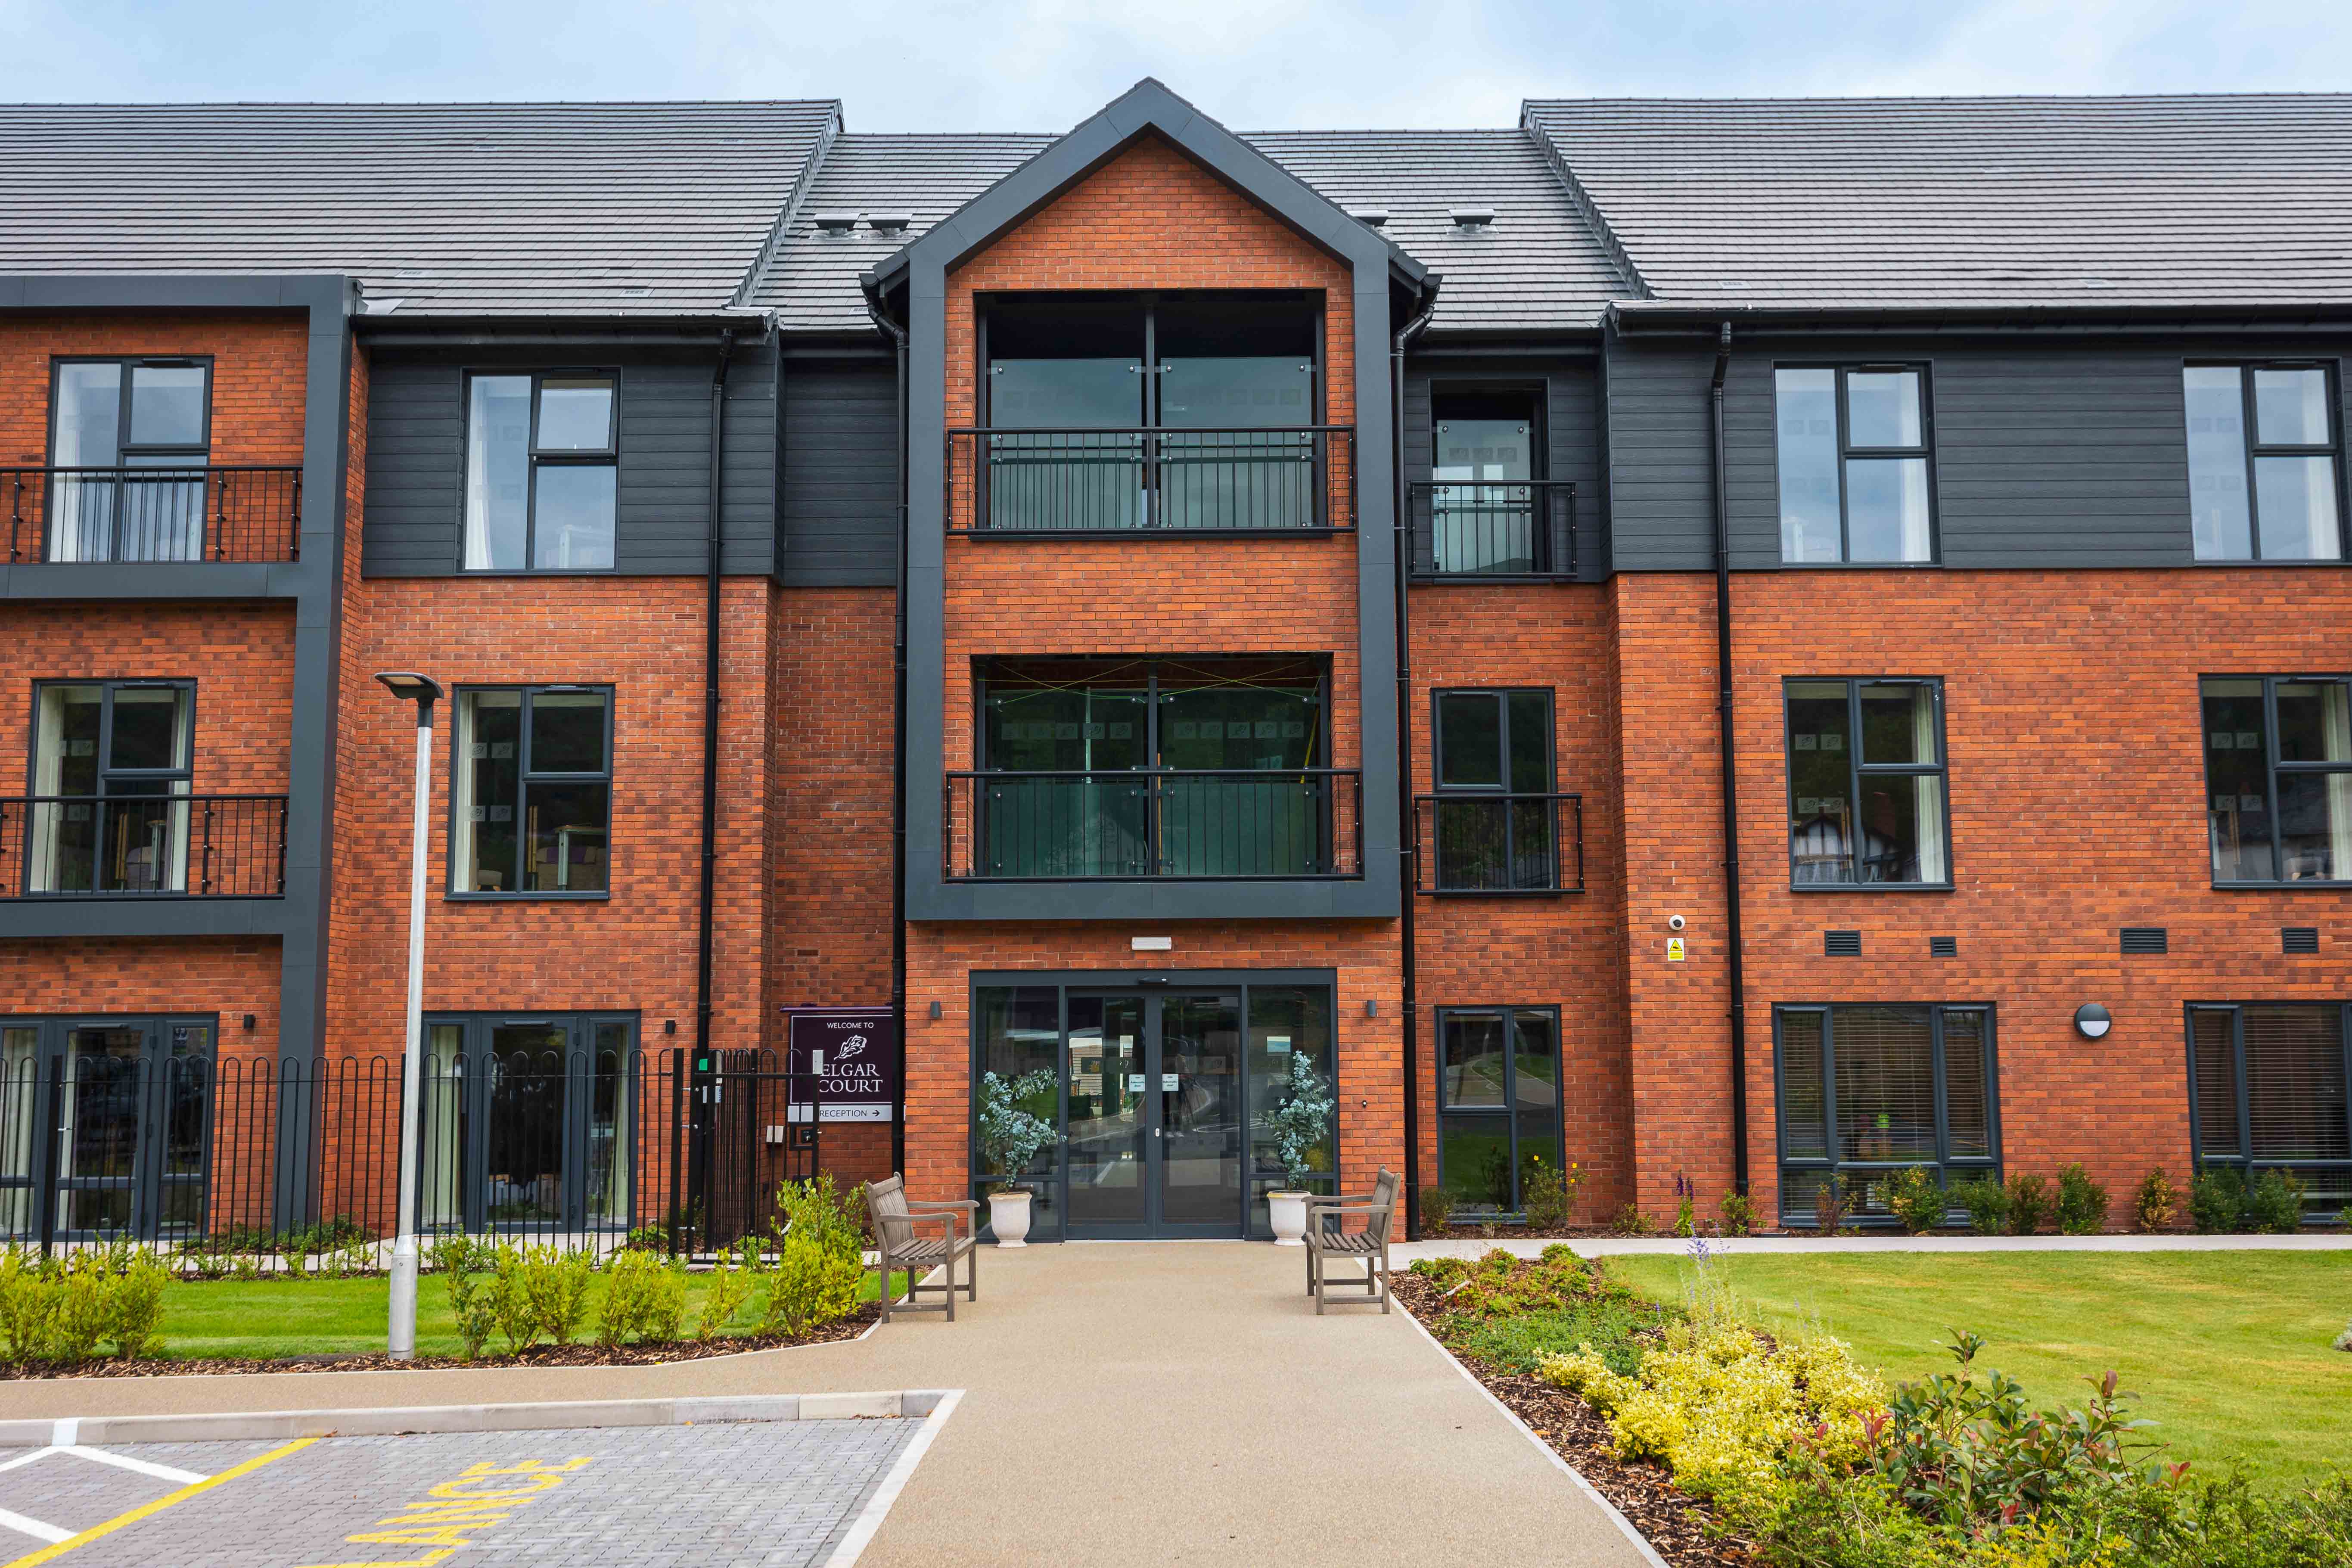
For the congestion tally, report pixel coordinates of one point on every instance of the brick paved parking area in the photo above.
(716, 1495)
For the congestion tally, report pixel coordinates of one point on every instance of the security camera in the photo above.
(1673, 922)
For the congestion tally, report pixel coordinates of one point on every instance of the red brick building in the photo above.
(1232, 646)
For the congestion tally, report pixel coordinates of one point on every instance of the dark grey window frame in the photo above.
(1147, 304)
(1153, 665)
(524, 778)
(2271, 768)
(1857, 770)
(1443, 792)
(579, 1065)
(608, 457)
(2247, 1164)
(148, 1180)
(199, 456)
(1508, 1111)
(1846, 452)
(1945, 1163)
(2250, 433)
(186, 775)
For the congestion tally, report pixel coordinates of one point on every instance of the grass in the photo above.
(2229, 1352)
(210, 1317)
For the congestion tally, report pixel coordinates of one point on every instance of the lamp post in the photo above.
(424, 692)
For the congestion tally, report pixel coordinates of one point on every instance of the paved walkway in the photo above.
(1626, 1245)
(1169, 1402)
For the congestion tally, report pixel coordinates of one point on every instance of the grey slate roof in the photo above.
(1536, 267)
(2229, 201)
(451, 209)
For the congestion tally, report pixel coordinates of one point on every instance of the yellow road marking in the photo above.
(144, 1509)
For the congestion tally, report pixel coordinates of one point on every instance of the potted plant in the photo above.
(1010, 1138)
(1300, 1124)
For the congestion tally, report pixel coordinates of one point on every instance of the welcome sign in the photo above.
(850, 1055)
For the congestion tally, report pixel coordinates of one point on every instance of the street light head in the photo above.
(411, 687)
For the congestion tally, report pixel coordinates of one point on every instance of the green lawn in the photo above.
(322, 1317)
(2229, 1351)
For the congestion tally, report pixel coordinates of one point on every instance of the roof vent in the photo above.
(889, 223)
(1376, 216)
(836, 223)
(2298, 938)
(1471, 217)
(1842, 944)
(2146, 940)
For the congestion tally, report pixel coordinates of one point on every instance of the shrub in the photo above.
(1548, 1195)
(2028, 1203)
(628, 1284)
(28, 1301)
(1009, 1133)
(2217, 1201)
(2274, 1205)
(456, 1258)
(2155, 1202)
(555, 1284)
(1986, 1202)
(137, 1310)
(62, 1309)
(2082, 1203)
(724, 1294)
(1631, 1221)
(1830, 1202)
(1738, 1212)
(1436, 1206)
(820, 1267)
(506, 1299)
(1685, 1205)
(1915, 1197)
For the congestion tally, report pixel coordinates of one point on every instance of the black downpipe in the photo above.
(874, 307)
(1408, 826)
(703, 942)
(1730, 783)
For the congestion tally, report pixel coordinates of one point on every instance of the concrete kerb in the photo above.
(285, 1425)
(1865, 1245)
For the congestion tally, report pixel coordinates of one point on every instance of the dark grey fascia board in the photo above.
(32, 919)
(1157, 974)
(1146, 898)
(868, 344)
(176, 292)
(684, 331)
(1634, 320)
(189, 580)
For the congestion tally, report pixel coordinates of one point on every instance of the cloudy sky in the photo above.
(1041, 65)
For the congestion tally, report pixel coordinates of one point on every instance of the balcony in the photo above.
(1157, 822)
(1515, 531)
(1495, 844)
(246, 512)
(143, 846)
(1122, 483)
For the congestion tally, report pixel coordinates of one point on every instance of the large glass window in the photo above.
(1485, 515)
(532, 805)
(1498, 817)
(527, 1122)
(1854, 449)
(112, 764)
(2268, 1092)
(105, 1126)
(130, 439)
(1866, 783)
(2278, 777)
(1498, 1104)
(541, 471)
(1868, 1091)
(2262, 462)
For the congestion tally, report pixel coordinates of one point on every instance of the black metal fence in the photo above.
(194, 846)
(1155, 822)
(179, 512)
(104, 1139)
(1256, 480)
(1516, 530)
(1495, 843)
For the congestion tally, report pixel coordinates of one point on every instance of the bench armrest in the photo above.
(967, 1205)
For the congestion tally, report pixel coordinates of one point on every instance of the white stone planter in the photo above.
(1288, 1212)
(1008, 1217)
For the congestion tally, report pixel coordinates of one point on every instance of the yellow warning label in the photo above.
(1674, 949)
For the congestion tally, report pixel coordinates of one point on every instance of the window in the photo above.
(527, 1122)
(533, 800)
(1853, 447)
(1868, 1091)
(132, 439)
(1499, 1103)
(111, 769)
(1486, 460)
(541, 472)
(2267, 1091)
(2278, 777)
(2276, 422)
(1497, 818)
(132, 1101)
(1873, 812)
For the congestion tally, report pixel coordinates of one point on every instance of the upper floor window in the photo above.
(2262, 462)
(541, 471)
(1854, 449)
(113, 763)
(131, 439)
(1497, 818)
(533, 801)
(1866, 783)
(2278, 777)
(1490, 512)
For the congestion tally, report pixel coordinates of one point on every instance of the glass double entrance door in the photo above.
(1154, 1086)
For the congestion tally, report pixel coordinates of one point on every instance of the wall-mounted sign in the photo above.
(850, 1056)
(1675, 951)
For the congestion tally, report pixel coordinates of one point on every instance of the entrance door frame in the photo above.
(470, 1105)
(1154, 985)
(41, 1096)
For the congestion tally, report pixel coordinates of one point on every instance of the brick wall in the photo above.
(257, 374)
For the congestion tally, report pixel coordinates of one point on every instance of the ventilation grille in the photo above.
(1943, 947)
(2146, 939)
(1842, 944)
(2299, 939)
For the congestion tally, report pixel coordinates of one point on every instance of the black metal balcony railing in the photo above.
(1510, 532)
(1154, 822)
(1487, 843)
(1060, 482)
(149, 846)
(197, 512)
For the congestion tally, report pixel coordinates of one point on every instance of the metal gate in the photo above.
(753, 1127)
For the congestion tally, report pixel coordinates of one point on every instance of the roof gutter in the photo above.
(1638, 317)
(1733, 940)
(1409, 828)
(879, 310)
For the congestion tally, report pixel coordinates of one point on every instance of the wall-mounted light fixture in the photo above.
(249, 1021)
(669, 1025)
(935, 1009)
(1371, 1007)
(2093, 1021)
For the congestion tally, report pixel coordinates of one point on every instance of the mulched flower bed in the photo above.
(1675, 1525)
(576, 1354)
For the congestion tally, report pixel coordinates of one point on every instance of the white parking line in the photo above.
(34, 1527)
(124, 1462)
(40, 1530)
